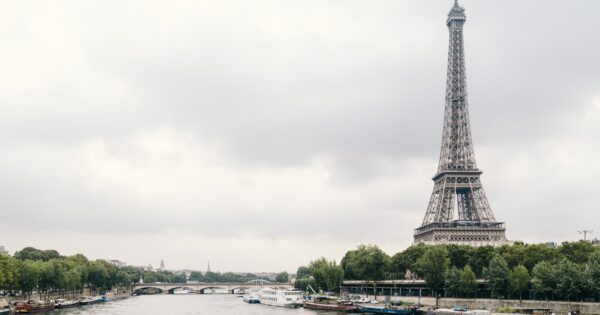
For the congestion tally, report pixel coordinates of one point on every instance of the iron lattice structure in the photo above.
(457, 190)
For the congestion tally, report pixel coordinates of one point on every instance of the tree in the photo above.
(592, 273)
(327, 275)
(433, 265)
(453, 282)
(468, 281)
(459, 255)
(367, 262)
(282, 277)
(302, 272)
(9, 272)
(545, 279)
(32, 253)
(518, 280)
(29, 279)
(480, 259)
(196, 276)
(407, 260)
(577, 252)
(497, 276)
(569, 280)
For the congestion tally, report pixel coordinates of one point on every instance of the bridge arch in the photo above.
(172, 290)
(212, 289)
(148, 290)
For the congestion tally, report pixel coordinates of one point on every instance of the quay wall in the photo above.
(559, 307)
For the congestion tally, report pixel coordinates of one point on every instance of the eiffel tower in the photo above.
(458, 211)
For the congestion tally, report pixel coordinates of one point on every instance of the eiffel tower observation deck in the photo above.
(458, 211)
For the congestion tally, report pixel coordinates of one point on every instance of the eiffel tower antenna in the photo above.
(457, 187)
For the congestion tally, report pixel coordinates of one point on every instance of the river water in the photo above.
(205, 304)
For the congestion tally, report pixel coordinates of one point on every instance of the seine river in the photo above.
(225, 304)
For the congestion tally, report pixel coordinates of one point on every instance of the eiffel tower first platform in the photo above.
(458, 211)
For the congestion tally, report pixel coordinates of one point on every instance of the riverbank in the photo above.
(117, 295)
(559, 307)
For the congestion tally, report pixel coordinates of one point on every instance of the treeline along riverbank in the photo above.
(50, 275)
(570, 271)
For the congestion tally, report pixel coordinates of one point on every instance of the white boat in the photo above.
(279, 297)
(182, 291)
(252, 298)
(63, 303)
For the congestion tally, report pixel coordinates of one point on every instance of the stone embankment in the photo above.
(559, 307)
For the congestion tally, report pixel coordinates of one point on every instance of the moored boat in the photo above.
(33, 307)
(279, 297)
(63, 303)
(251, 298)
(182, 291)
(328, 303)
(86, 300)
(388, 309)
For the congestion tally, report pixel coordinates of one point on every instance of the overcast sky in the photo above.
(262, 134)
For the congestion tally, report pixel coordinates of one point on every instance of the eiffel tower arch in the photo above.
(458, 210)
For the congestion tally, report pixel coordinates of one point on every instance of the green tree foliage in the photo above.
(459, 255)
(196, 276)
(497, 276)
(544, 279)
(592, 274)
(433, 265)
(406, 260)
(468, 282)
(480, 259)
(577, 252)
(453, 284)
(9, 272)
(570, 280)
(302, 272)
(327, 275)
(304, 283)
(36, 254)
(282, 277)
(367, 262)
(518, 280)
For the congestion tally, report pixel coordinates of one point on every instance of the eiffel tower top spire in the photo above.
(457, 151)
(456, 13)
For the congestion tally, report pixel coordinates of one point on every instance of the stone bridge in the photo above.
(202, 288)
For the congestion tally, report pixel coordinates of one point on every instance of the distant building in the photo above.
(596, 242)
(3, 251)
(551, 244)
(162, 265)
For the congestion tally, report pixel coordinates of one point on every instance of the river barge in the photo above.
(327, 303)
(33, 307)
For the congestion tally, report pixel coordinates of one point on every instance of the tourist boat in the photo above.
(329, 303)
(63, 303)
(33, 307)
(278, 297)
(389, 309)
(252, 298)
(87, 300)
(182, 291)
